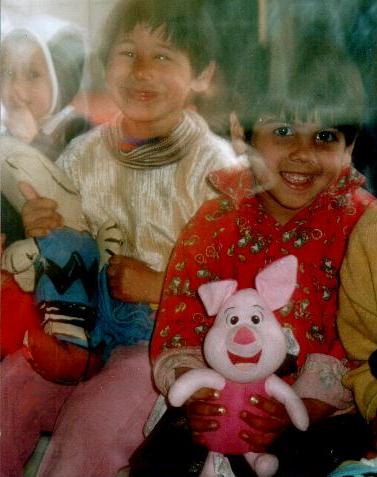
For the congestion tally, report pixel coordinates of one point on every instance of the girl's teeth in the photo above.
(296, 178)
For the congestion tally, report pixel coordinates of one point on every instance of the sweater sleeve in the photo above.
(182, 322)
(357, 317)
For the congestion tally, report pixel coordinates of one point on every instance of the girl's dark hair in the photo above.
(187, 24)
(320, 84)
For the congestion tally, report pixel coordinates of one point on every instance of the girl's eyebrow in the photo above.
(270, 120)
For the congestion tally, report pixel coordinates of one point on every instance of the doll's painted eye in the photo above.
(255, 319)
(233, 320)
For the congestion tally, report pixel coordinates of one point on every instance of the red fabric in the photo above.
(223, 242)
(236, 183)
(59, 361)
(54, 360)
(18, 313)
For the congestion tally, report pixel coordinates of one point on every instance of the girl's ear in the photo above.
(347, 159)
(201, 83)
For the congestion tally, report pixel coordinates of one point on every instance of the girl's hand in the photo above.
(39, 215)
(132, 280)
(202, 411)
(264, 427)
(275, 420)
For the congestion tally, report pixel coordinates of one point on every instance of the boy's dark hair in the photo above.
(320, 84)
(187, 24)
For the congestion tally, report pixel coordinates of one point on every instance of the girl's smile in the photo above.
(297, 180)
(305, 158)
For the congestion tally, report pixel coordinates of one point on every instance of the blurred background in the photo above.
(350, 24)
(245, 27)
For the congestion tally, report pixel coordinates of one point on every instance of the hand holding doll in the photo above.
(244, 347)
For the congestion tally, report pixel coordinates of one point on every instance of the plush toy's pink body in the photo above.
(244, 347)
(235, 398)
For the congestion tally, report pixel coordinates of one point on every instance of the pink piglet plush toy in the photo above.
(244, 347)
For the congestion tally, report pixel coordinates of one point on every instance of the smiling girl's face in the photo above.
(306, 158)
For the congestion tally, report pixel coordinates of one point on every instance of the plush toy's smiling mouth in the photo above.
(236, 359)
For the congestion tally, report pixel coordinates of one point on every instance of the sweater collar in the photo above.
(159, 152)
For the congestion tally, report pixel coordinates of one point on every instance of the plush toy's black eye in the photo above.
(255, 319)
(234, 320)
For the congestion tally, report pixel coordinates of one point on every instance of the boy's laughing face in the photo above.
(151, 81)
(306, 158)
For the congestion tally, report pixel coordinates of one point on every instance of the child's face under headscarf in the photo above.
(25, 79)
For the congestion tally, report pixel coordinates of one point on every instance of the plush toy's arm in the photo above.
(283, 392)
(18, 259)
(110, 241)
(190, 382)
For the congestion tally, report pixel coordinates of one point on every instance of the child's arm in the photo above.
(182, 320)
(357, 315)
(132, 280)
(39, 214)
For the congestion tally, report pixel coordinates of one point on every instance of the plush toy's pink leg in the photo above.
(209, 466)
(102, 423)
(29, 406)
(264, 465)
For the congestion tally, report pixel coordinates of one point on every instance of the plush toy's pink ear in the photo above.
(276, 283)
(213, 294)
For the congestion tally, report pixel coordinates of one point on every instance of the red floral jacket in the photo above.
(236, 239)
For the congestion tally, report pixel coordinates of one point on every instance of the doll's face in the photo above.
(246, 342)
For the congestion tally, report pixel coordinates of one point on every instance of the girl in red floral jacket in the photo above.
(305, 135)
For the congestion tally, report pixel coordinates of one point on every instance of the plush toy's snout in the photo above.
(244, 336)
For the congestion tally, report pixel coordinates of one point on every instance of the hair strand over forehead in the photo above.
(186, 23)
(318, 86)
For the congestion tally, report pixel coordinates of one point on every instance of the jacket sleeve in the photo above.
(357, 317)
(182, 322)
